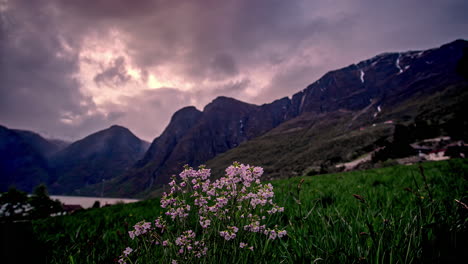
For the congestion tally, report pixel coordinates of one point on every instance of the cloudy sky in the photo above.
(70, 68)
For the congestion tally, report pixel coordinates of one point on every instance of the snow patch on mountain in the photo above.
(302, 101)
(397, 64)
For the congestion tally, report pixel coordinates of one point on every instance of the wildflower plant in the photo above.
(208, 220)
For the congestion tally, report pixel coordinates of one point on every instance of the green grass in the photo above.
(94, 235)
(401, 219)
(392, 225)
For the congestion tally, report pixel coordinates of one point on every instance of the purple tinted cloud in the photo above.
(256, 51)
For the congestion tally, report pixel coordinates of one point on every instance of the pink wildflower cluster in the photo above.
(274, 233)
(160, 223)
(230, 233)
(124, 255)
(239, 190)
(245, 245)
(204, 222)
(140, 229)
(231, 208)
(188, 245)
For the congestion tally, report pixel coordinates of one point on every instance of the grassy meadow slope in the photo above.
(386, 215)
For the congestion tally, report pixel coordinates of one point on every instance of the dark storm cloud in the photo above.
(115, 74)
(235, 87)
(97, 10)
(37, 85)
(256, 51)
(224, 64)
(199, 35)
(114, 116)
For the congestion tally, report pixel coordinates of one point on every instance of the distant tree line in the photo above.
(17, 205)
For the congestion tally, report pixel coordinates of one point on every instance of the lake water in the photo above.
(87, 202)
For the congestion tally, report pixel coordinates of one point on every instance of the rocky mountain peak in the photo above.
(185, 112)
(117, 128)
(223, 103)
(386, 75)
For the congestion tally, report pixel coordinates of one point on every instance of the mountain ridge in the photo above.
(28, 159)
(342, 107)
(366, 88)
(97, 157)
(23, 162)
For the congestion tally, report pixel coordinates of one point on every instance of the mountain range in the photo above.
(27, 159)
(345, 114)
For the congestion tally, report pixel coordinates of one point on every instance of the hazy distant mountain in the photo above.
(97, 157)
(46, 147)
(319, 125)
(22, 159)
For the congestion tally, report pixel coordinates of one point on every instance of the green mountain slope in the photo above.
(315, 143)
